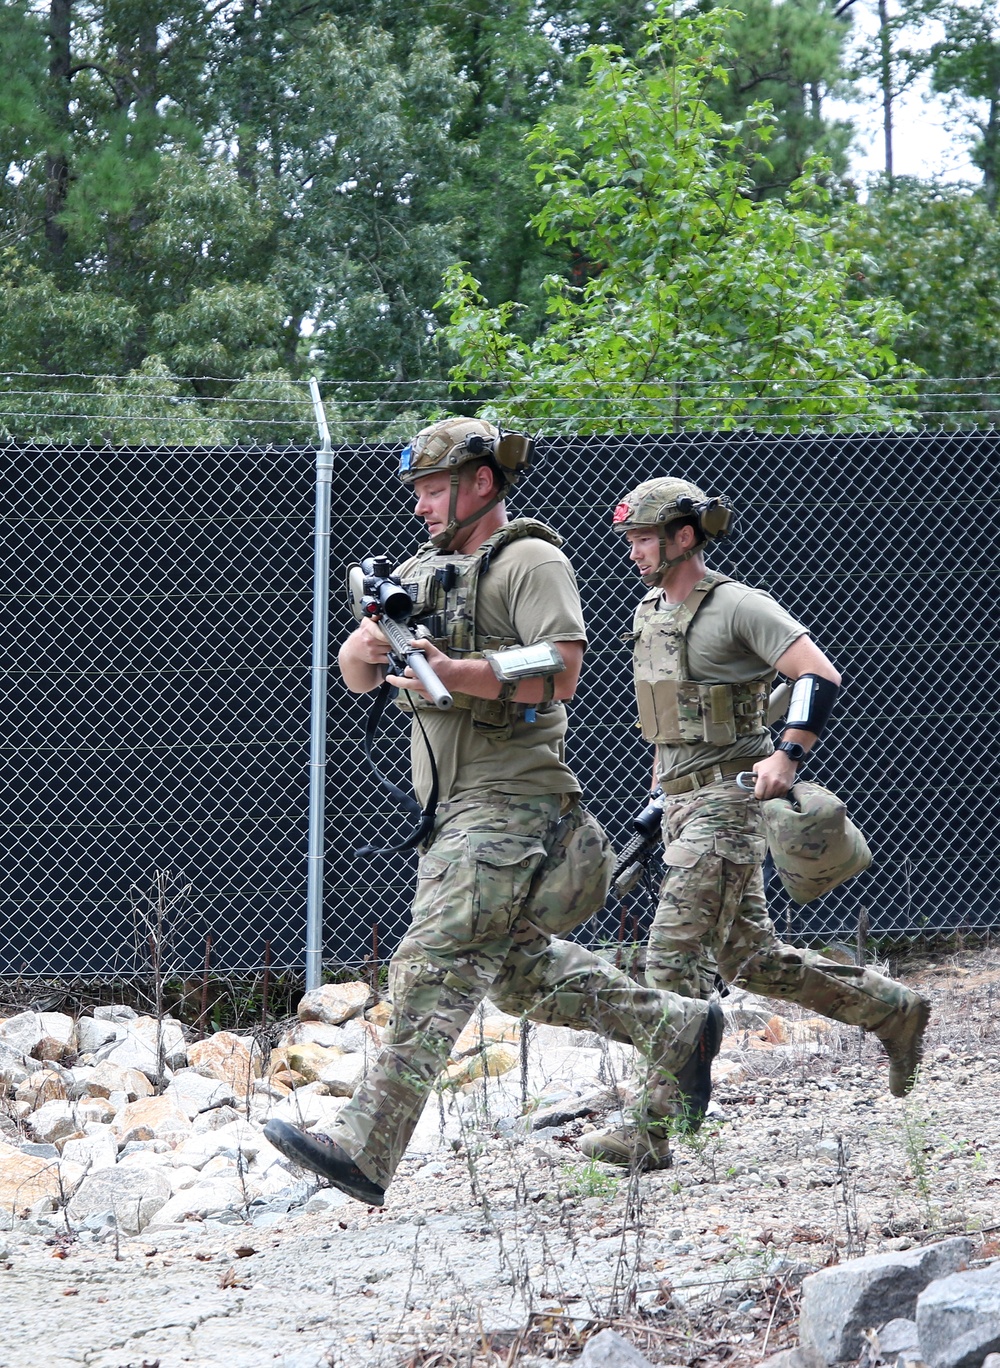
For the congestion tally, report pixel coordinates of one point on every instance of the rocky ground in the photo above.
(160, 1229)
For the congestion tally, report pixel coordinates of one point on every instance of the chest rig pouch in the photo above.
(444, 587)
(674, 708)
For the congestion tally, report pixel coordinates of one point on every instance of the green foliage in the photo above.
(792, 56)
(936, 249)
(590, 1180)
(965, 65)
(690, 303)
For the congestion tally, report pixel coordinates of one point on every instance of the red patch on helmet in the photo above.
(621, 513)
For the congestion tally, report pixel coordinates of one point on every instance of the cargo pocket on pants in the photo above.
(504, 869)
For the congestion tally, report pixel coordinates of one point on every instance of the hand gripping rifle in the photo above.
(376, 594)
(633, 863)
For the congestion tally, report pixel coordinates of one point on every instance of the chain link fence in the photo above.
(156, 683)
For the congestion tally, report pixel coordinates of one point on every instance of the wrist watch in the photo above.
(793, 750)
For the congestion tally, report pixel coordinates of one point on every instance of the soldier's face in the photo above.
(432, 493)
(644, 548)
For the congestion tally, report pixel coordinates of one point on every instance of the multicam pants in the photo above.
(503, 876)
(712, 911)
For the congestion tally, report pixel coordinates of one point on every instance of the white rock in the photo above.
(98, 1150)
(53, 1121)
(133, 1194)
(92, 1034)
(116, 1012)
(181, 1177)
(22, 1032)
(194, 1093)
(334, 1002)
(310, 1110)
(58, 1040)
(204, 1200)
(342, 1074)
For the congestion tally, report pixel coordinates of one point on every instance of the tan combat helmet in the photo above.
(454, 442)
(814, 844)
(657, 503)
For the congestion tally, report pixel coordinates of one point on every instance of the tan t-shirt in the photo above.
(738, 634)
(529, 592)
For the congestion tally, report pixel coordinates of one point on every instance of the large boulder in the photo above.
(133, 1195)
(158, 1118)
(227, 1057)
(98, 1150)
(204, 1200)
(54, 1121)
(107, 1078)
(27, 1178)
(44, 1085)
(310, 1060)
(22, 1032)
(840, 1303)
(334, 1003)
(145, 1040)
(92, 1034)
(194, 1093)
(608, 1349)
(58, 1039)
(958, 1319)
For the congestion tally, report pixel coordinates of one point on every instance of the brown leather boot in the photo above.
(902, 1037)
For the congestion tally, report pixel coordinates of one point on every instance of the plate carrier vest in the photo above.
(674, 708)
(444, 586)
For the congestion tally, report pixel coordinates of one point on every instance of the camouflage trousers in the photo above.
(502, 878)
(712, 912)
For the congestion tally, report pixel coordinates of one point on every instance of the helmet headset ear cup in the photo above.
(715, 518)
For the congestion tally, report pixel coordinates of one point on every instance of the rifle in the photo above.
(634, 860)
(377, 594)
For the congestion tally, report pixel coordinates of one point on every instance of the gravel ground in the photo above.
(499, 1247)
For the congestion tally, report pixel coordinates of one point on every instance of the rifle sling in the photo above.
(425, 816)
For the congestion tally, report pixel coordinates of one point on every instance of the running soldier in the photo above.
(513, 861)
(705, 651)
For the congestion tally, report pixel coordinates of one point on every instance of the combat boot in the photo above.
(683, 1097)
(631, 1146)
(902, 1037)
(324, 1156)
(672, 1103)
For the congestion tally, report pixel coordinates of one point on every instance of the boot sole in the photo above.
(313, 1154)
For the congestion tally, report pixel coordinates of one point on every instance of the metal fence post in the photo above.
(320, 677)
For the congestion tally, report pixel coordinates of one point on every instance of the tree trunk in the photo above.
(56, 160)
(991, 148)
(885, 80)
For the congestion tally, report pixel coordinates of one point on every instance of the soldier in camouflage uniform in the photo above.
(705, 651)
(514, 861)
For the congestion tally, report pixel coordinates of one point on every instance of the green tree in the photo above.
(965, 66)
(791, 55)
(700, 306)
(936, 249)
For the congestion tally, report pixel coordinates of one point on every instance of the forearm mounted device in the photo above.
(811, 704)
(515, 663)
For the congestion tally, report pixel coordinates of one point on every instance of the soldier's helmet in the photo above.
(655, 503)
(454, 442)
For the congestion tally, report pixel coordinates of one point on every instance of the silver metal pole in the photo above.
(320, 678)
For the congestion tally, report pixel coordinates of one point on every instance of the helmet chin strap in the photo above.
(653, 579)
(443, 540)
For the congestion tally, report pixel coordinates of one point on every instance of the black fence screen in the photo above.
(157, 668)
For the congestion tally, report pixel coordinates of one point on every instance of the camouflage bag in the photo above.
(814, 844)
